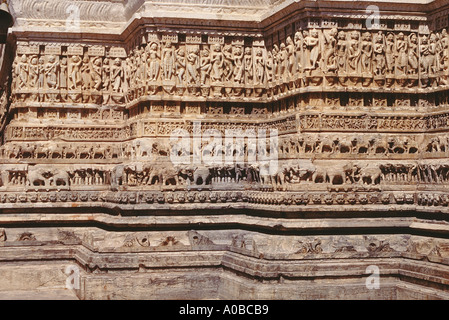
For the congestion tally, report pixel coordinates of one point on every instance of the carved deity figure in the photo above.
(239, 70)
(217, 63)
(74, 72)
(444, 56)
(41, 80)
(106, 77)
(51, 72)
(259, 66)
(117, 76)
(366, 53)
(22, 72)
(354, 53)
(330, 45)
(427, 58)
(63, 73)
(291, 57)
(228, 64)
(34, 72)
(132, 71)
(276, 61)
(249, 68)
(180, 64)
(312, 48)
(96, 74)
(298, 50)
(205, 65)
(433, 53)
(269, 66)
(168, 61)
(390, 53)
(192, 65)
(141, 67)
(283, 61)
(85, 74)
(413, 54)
(341, 52)
(379, 55)
(402, 54)
(154, 63)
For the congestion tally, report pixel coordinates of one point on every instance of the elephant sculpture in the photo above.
(370, 174)
(333, 174)
(60, 178)
(47, 177)
(117, 175)
(201, 174)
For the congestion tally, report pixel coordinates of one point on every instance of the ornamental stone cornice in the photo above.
(115, 17)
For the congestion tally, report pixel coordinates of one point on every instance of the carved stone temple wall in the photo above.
(139, 140)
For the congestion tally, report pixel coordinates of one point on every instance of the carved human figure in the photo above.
(22, 72)
(444, 56)
(426, 56)
(106, 77)
(180, 64)
(341, 52)
(74, 72)
(390, 53)
(239, 70)
(402, 54)
(192, 65)
(283, 61)
(312, 48)
(276, 62)
(85, 74)
(217, 63)
(291, 57)
(168, 62)
(379, 55)
(51, 72)
(269, 66)
(96, 74)
(63, 73)
(228, 63)
(366, 53)
(126, 66)
(117, 76)
(413, 54)
(298, 50)
(433, 53)
(249, 67)
(34, 72)
(154, 63)
(205, 65)
(41, 80)
(330, 46)
(141, 67)
(259, 67)
(354, 53)
(132, 71)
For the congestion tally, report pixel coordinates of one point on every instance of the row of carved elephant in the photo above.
(162, 173)
(379, 145)
(355, 144)
(53, 150)
(293, 172)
